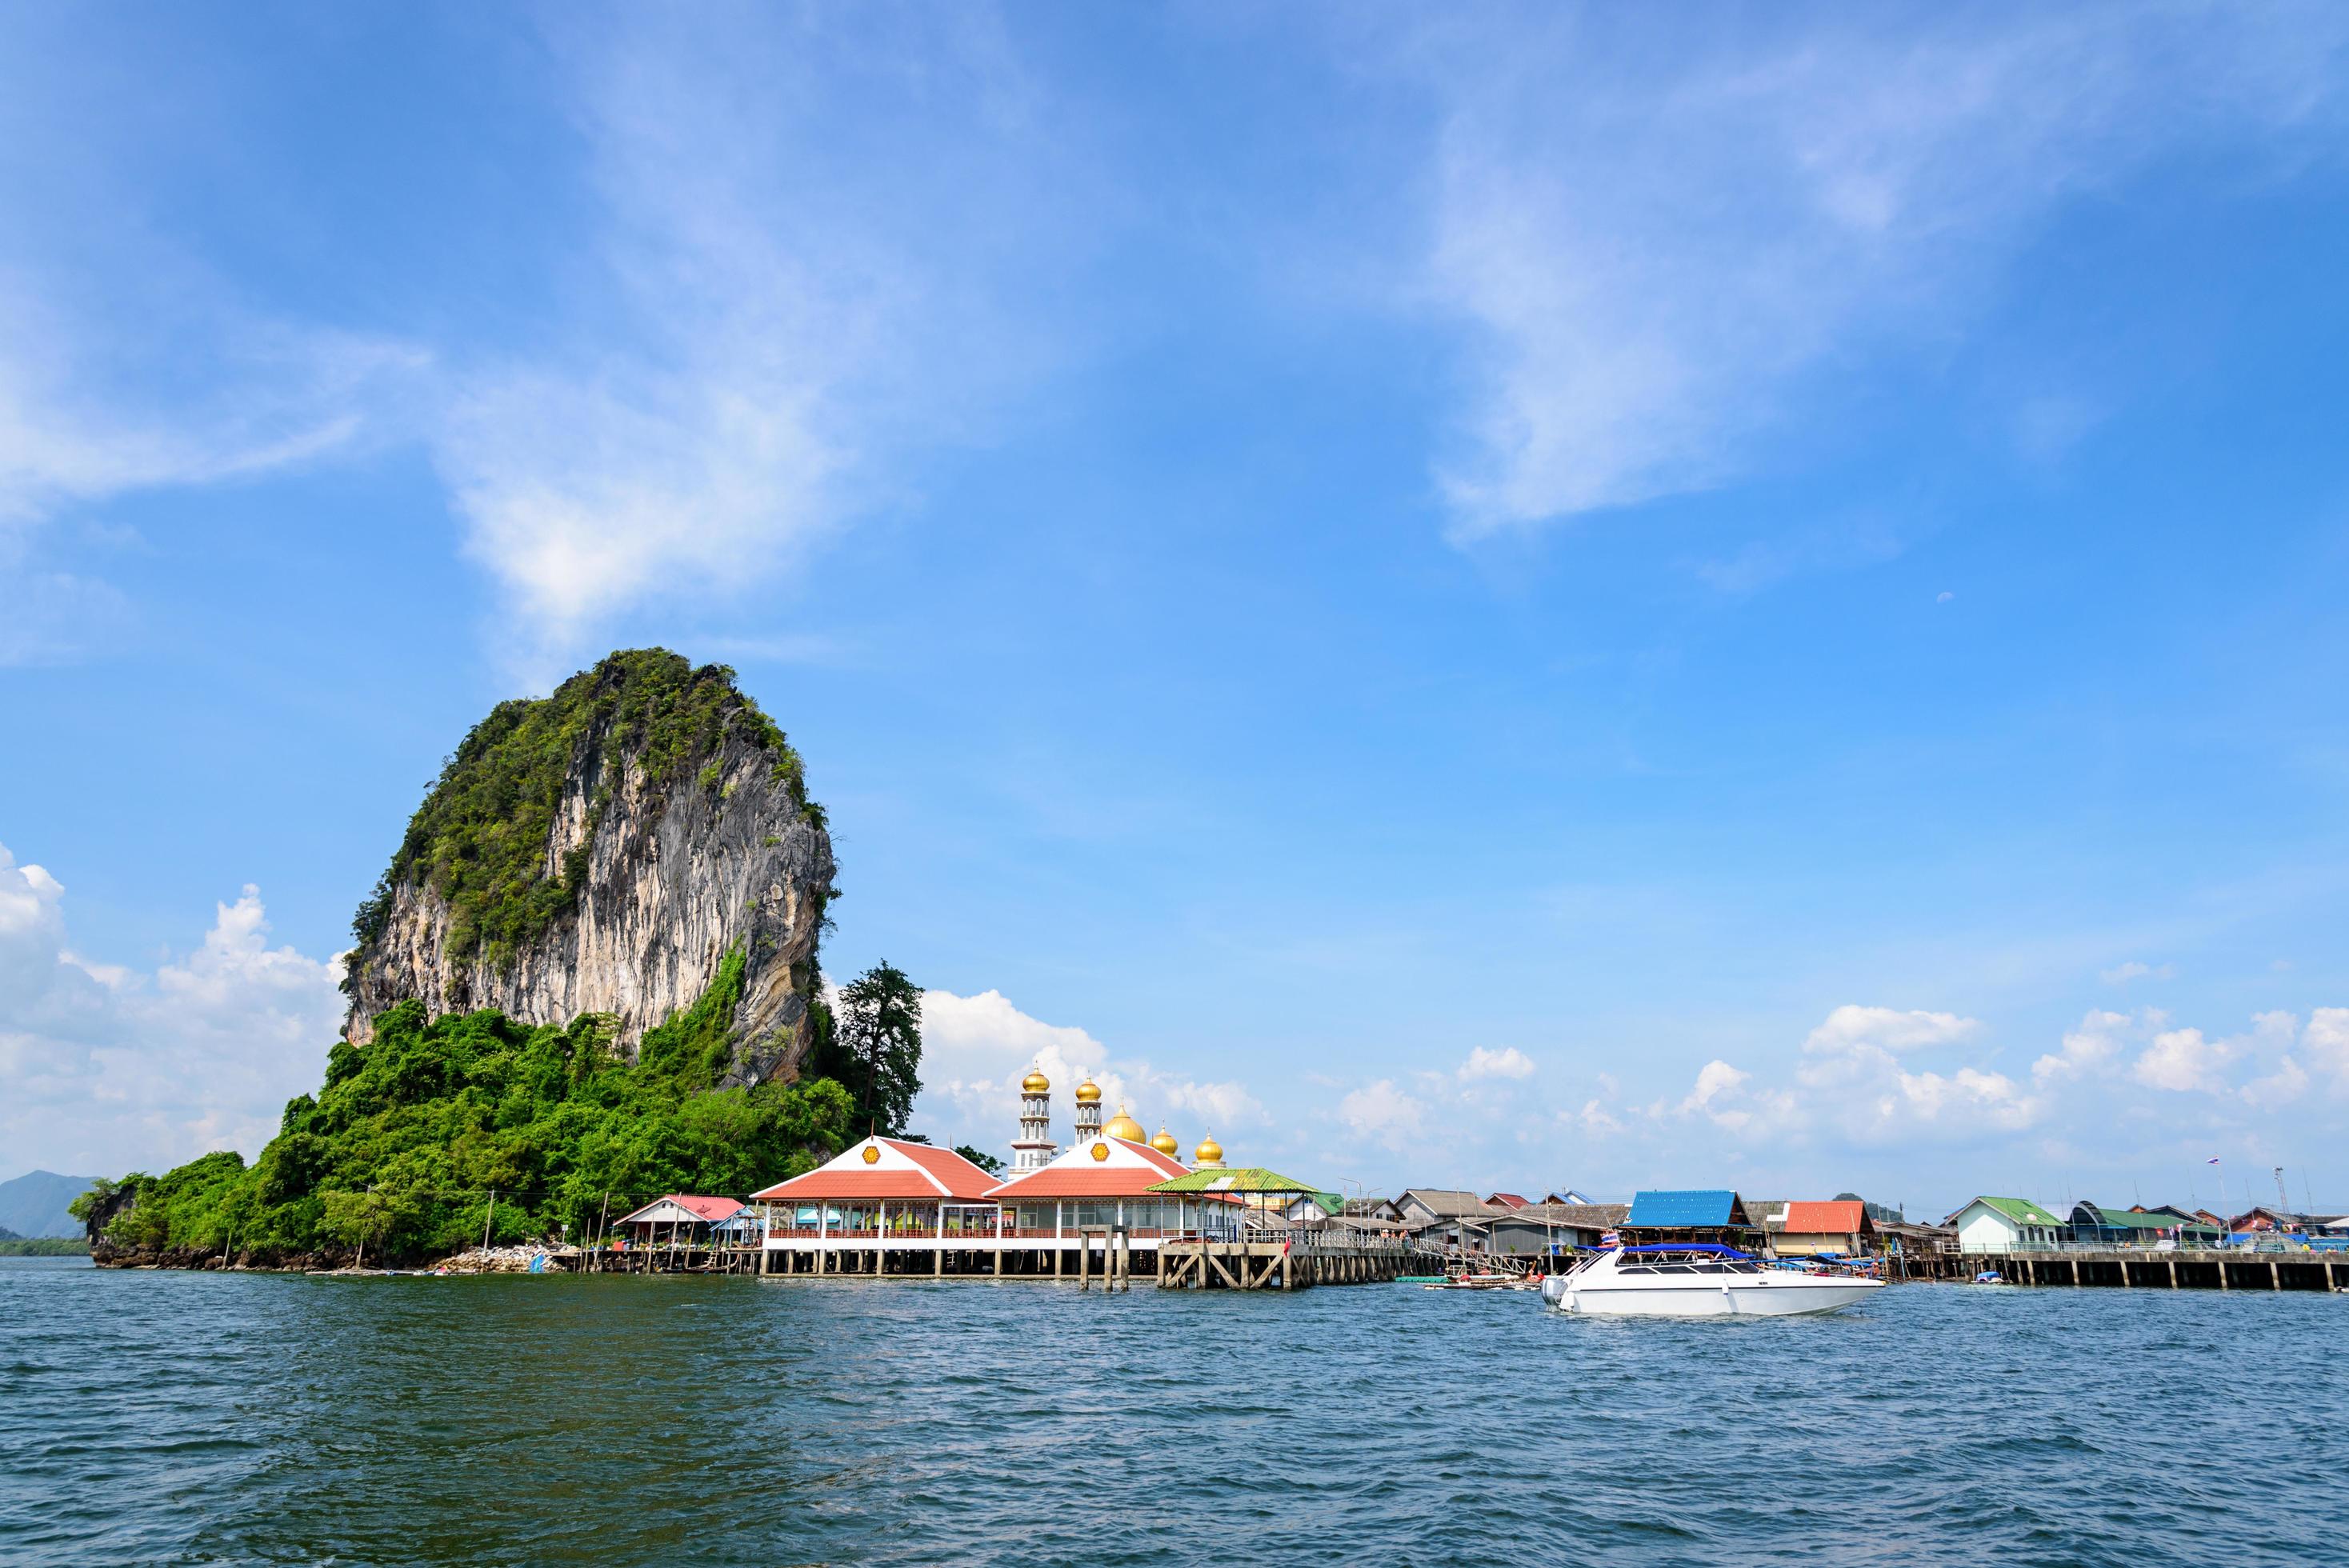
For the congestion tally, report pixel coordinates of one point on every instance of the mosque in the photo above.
(893, 1206)
(1034, 1148)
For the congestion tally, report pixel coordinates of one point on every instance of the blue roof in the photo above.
(1704, 1208)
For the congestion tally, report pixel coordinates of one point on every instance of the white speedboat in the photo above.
(1698, 1281)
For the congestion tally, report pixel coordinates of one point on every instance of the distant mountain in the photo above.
(34, 1205)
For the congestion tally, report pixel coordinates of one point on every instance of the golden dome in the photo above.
(1164, 1143)
(1035, 1083)
(1209, 1152)
(1087, 1093)
(1125, 1127)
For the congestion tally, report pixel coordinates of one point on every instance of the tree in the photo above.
(980, 1157)
(876, 1048)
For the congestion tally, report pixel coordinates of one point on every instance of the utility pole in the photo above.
(487, 1217)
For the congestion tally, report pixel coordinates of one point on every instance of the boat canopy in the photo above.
(1686, 1247)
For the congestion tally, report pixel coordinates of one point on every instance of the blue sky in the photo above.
(1541, 597)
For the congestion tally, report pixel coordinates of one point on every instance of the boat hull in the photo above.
(1793, 1297)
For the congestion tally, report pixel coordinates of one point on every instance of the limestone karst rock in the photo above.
(601, 851)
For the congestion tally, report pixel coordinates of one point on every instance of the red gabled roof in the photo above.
(1829, 1217)
(1109, 1181)
(1075, 1174)
(1507, 1201)
(959, 1176)
(906, 1170)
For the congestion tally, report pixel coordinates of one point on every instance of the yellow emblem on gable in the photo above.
(1101, 1151)
(873, 1154)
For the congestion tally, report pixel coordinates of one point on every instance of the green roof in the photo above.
(2022, 1211)
(1238, 1179)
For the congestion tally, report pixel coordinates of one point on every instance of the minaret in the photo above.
(1089, 1120)
(1034, 1148)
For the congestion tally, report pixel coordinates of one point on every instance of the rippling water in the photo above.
(202, 1417)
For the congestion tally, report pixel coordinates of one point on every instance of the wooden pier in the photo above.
(1293, 1262)
(1111, 1258)
(2143, 1269)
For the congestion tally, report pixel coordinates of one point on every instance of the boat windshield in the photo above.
(1676, 1260)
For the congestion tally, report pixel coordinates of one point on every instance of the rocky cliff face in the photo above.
(600, 852)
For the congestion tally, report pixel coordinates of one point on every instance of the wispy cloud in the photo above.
(1657, 248)
(826, 243)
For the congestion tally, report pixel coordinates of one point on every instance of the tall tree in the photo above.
(876, 1052)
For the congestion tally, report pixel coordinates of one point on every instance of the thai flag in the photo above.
(1610, 1239)
(2212, 1160)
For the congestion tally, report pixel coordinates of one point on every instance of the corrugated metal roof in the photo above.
(1672, 1211)
(1238, 1179)
(2022, 1211)
(710, 1210)
(1826, 1217)
(1444, 1202)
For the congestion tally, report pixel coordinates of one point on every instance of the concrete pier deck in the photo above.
(2144, 1269)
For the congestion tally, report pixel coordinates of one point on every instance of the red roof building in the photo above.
(891, 1168)
(1101, 1180)
(1101, 1167)
(1829, 1225)
(1507, 1201)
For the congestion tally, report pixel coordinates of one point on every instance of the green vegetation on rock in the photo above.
(404, 1144)
(480, 839)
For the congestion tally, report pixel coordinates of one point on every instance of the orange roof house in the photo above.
(886, 1169)
(1829, 1225)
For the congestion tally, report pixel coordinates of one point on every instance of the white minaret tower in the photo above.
(1034, 1148)
(1089, 1120)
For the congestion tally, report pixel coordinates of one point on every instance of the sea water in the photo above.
(202, 1417)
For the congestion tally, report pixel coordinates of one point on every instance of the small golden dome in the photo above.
(1035, 1083)
(1164, 1143)
(1089, 1093)
(1125, 1127)
(1209, 1152)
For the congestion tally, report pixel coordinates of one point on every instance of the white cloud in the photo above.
(2325, 1041)
(1715, 1080)
(1505, 1063)
(1382, 1112)
(1596, 1120)
(104, 1068)
(1850, 1087)
(2183, 1060)
(976, 1049)
(2087, 1049)
(1852, 1028)
(2122, 973)
(1658, 248)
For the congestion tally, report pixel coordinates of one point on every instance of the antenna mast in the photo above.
(2283, 1199)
